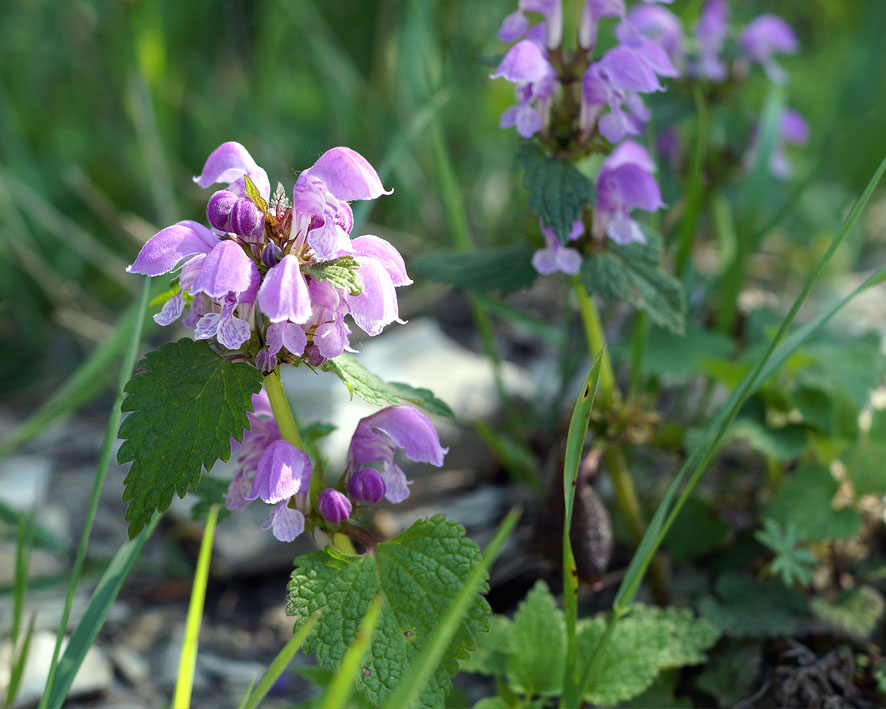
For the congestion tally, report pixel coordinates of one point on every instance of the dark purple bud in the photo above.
(366, 485)
(313, 357)
(246, 218)
(334, 506)
(272, 255)
(265, 361)
(218, 211)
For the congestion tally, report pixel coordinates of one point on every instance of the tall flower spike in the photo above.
(377, 438)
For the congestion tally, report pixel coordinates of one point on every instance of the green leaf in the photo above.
(645, 640)
(557, 190)
(505, 269)
(792, 564)
(633, 273)
(681, 355)
(538, 645)
(211, 491)
(783, 443)
(856, 612)
(341, 272)
(419, 573)
(731, 674)
(186, 404)
(748, 607)
(375, 390)
(253, 194)
(696, 531)
(491, 655)
(806, 503)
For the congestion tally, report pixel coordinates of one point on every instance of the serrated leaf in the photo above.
(805, 501)
(186, 403)
(538, 645)
(856, 612)
(504, 269)
(644, 641)
(418, 573)
(491, 655)
(341, 272)
(748, 607)
(375, 390)
(557, 190)
(633, 273)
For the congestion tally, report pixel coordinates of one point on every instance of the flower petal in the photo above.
(348, 175)
(284, 293)
(282, 471)
(385, 254)
(227, 269)
(523, 63)
(168, 247)
(228, 163)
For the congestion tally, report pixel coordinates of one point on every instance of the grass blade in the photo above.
(19, 658)
(23, 543)
(578, 429)
(704, 452)
(342, 687)
(100, 474)
(427, 660)
(100, 603)
(279, 665)
(188, 660)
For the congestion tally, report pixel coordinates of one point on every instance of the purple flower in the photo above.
(593, 12)
(793, 130)
(334, 506)
(228, 163)
(366, 485)
(226, 327)
(526, 66)
(625, 182)
(284, 293)
(763, 37)
(516, 25)
(226, 269)
(286, 523)
(377, 438)
(172, 245)
(710, 33)
(557, 257)
(261, 433)
(381, 270)
(218, 210)
(288, 335)
(655, 35)
(282, 472)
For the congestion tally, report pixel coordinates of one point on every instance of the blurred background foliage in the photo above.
(107, 109)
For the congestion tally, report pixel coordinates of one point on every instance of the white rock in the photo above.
(24, 480)
(95, 674)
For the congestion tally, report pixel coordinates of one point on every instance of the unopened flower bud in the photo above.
(334, 506)
(218, 211)
(313, 357)
(271, 255)
(366, 485)
(246, 218)
(265, 361)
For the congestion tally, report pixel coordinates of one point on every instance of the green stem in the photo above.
(188, 660)
(694, 189)
(639, 339)
(101, 472)
(608, 394)
(282, 412)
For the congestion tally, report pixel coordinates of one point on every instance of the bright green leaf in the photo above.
(538, 645)
(633, 273)
(645, 641)
(186, 404)
(341, 272)
(375, 390)
(491, 655)
(557, 190)
(805, 501)
(504, 269)
(418, 573)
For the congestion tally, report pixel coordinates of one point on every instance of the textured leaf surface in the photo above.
(419, 573)
(856, 612)
(731, 675)
(644, 641)
(375, 390)
(557, 190)
(633, 273)
(340, 272)
(185, 406)
(505, 269)
(806, 502)
(538, 645)
(491, 655)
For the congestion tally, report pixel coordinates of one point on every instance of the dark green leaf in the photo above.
(557, 190)
(503, 269)
(633, 273)
(211, 491)
(375, 390)
(418, 573)
(805, 501)
(341, 272)
(696, 531)
(186, 404)
(782, 443)
(793, 564)
(731, 675)
(856, 612)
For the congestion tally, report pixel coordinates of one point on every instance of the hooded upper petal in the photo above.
(385, 254)
(284, 293)
(407, 428)
(282, 471)
(170, 246)
(348, 175)
(228, 163)
(226, 269)
(523, 63)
